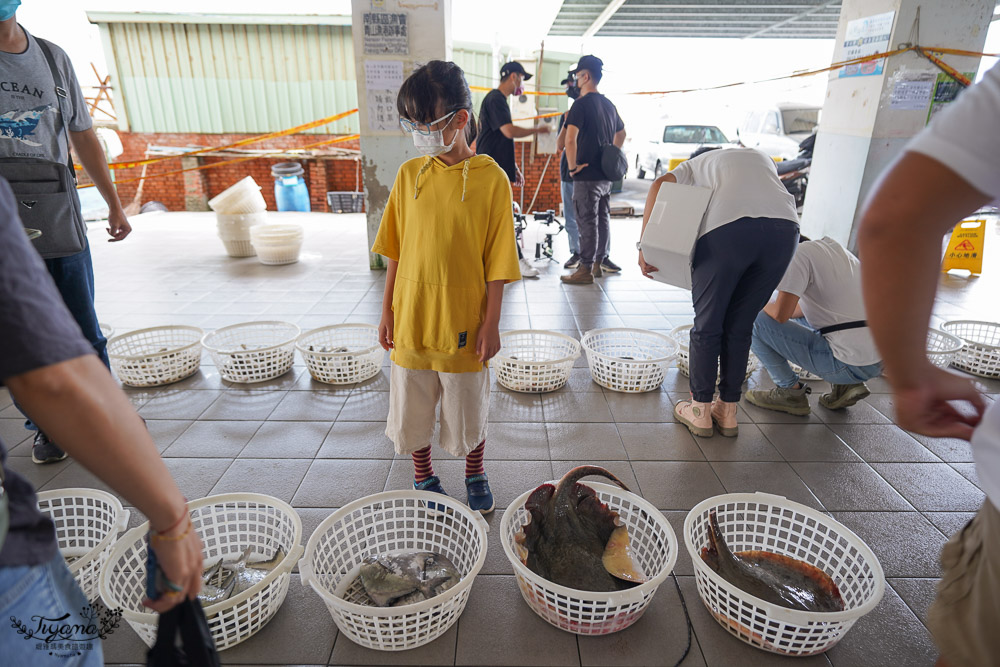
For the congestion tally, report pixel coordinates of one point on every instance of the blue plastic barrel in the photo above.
(290, 190)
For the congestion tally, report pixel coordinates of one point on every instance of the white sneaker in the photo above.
(527, 270)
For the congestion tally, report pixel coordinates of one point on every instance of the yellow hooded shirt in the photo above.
(451, 229)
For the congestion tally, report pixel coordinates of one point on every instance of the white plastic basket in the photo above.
(106, 330)
(360, 356)
(981, 354)
(760, 521)
(682, 335)
(88, 522)
(942, 347)
(387, 523)
(239, 248)
(277, 244)
(253, 351)
(628, 360)
(242, 197)
(156, 356)
(654, 546)
(239, 224)
(535, 361)
(227, 524)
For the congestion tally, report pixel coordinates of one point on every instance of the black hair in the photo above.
(438, 84)
(595, 75)
(703, 150)
(803, 238)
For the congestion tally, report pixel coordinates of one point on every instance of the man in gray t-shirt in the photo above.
(31, 126)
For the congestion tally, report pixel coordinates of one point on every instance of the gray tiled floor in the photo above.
(320, 447)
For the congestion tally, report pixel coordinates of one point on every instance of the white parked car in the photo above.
(779, 130)
(674, 145)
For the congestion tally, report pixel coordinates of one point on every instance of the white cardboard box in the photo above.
(672, 231)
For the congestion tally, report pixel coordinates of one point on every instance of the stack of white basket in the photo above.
(277, 244)
(237, 210)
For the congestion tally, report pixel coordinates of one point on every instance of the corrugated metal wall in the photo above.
(212, 78)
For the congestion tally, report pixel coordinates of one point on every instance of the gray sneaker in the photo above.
(844, 396)
(792, 401)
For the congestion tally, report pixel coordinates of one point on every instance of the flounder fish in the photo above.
(575, 540)
(775, 578)
(393, 581)
(225, 579)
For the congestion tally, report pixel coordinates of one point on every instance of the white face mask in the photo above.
(432, 144)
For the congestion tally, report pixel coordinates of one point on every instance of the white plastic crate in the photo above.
(981, 354)
(227, 524)
(156, 356)
(88, 522)
(628, 360)
(387, 523)
(760, 521)
(253, 351)
(654, 546)
(353, 353)
(682, 335)
(942, 347)
(534, 361)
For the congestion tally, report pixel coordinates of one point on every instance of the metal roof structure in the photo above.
(743, 19)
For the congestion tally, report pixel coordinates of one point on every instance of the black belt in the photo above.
(833, 328)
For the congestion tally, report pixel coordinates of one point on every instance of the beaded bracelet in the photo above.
(175, 538)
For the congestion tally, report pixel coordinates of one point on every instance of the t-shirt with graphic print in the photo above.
(29, 109)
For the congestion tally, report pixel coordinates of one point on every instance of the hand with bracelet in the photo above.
(178, 554)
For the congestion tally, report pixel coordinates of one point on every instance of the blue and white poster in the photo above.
(866, 37)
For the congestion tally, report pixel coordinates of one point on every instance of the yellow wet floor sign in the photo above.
(965, 249)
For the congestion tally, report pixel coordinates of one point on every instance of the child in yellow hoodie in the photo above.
(448, 235)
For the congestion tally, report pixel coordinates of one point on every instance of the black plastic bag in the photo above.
(196, 647)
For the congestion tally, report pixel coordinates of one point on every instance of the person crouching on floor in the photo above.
(448, 235)
(817, 321)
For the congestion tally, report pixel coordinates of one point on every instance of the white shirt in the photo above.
(827, 279)
(965, 137)
(744, 184)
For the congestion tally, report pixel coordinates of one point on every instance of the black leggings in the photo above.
(736, 267)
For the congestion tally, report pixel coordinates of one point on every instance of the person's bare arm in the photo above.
(512, 131)
(387, 325)
(92, 159)
(619, 139)
(899, 243)
(488, 340)
(78, 404)
(561, 139)
(654, 189)
(783, 308)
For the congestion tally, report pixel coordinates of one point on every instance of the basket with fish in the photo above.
(779, 575)
(156, 356)
(395, 569)
(981, 353)
(942, 347)
(251, 543)
(628, 360)
(535, 361)
(253, 351)
(682, 335)
(342, 353)
(587, 557)
(88, 522)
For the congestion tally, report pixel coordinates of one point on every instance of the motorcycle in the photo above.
(794, 174)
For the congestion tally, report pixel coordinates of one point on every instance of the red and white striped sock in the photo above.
(474, 461)
(422, 467)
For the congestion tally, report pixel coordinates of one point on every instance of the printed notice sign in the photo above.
(384, 74)
(866, 37)
(382, 114)
(913, 93)
(386, 34)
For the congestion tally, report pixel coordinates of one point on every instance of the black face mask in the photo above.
(573, 92)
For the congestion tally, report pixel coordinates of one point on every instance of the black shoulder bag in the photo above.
(196, 648)
(45, 191)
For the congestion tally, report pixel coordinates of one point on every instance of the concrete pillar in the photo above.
(195, 187)
(391, 39)
(863, 125)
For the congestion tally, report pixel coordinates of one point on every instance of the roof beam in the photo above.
(792, 18)
(603, 17)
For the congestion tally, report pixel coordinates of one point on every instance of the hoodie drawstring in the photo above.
(427, 165)
(465, 177)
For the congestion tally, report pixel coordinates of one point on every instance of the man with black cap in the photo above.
(566, 181)
(592, 122)
(497, 132)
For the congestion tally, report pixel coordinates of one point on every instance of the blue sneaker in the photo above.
(432, 484)
(478, 492)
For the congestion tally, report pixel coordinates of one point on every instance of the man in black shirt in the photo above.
(497, 132)
(592, 122)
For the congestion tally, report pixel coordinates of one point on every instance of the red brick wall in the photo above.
(549, 195)
(320, 175)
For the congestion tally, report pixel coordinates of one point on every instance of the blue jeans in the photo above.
(776, 344)
(569, 213)
(74, 278)
(37, 598)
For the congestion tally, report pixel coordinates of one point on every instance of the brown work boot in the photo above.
(696, 416)
(584, 275)
(724, 416)
(598, 271)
